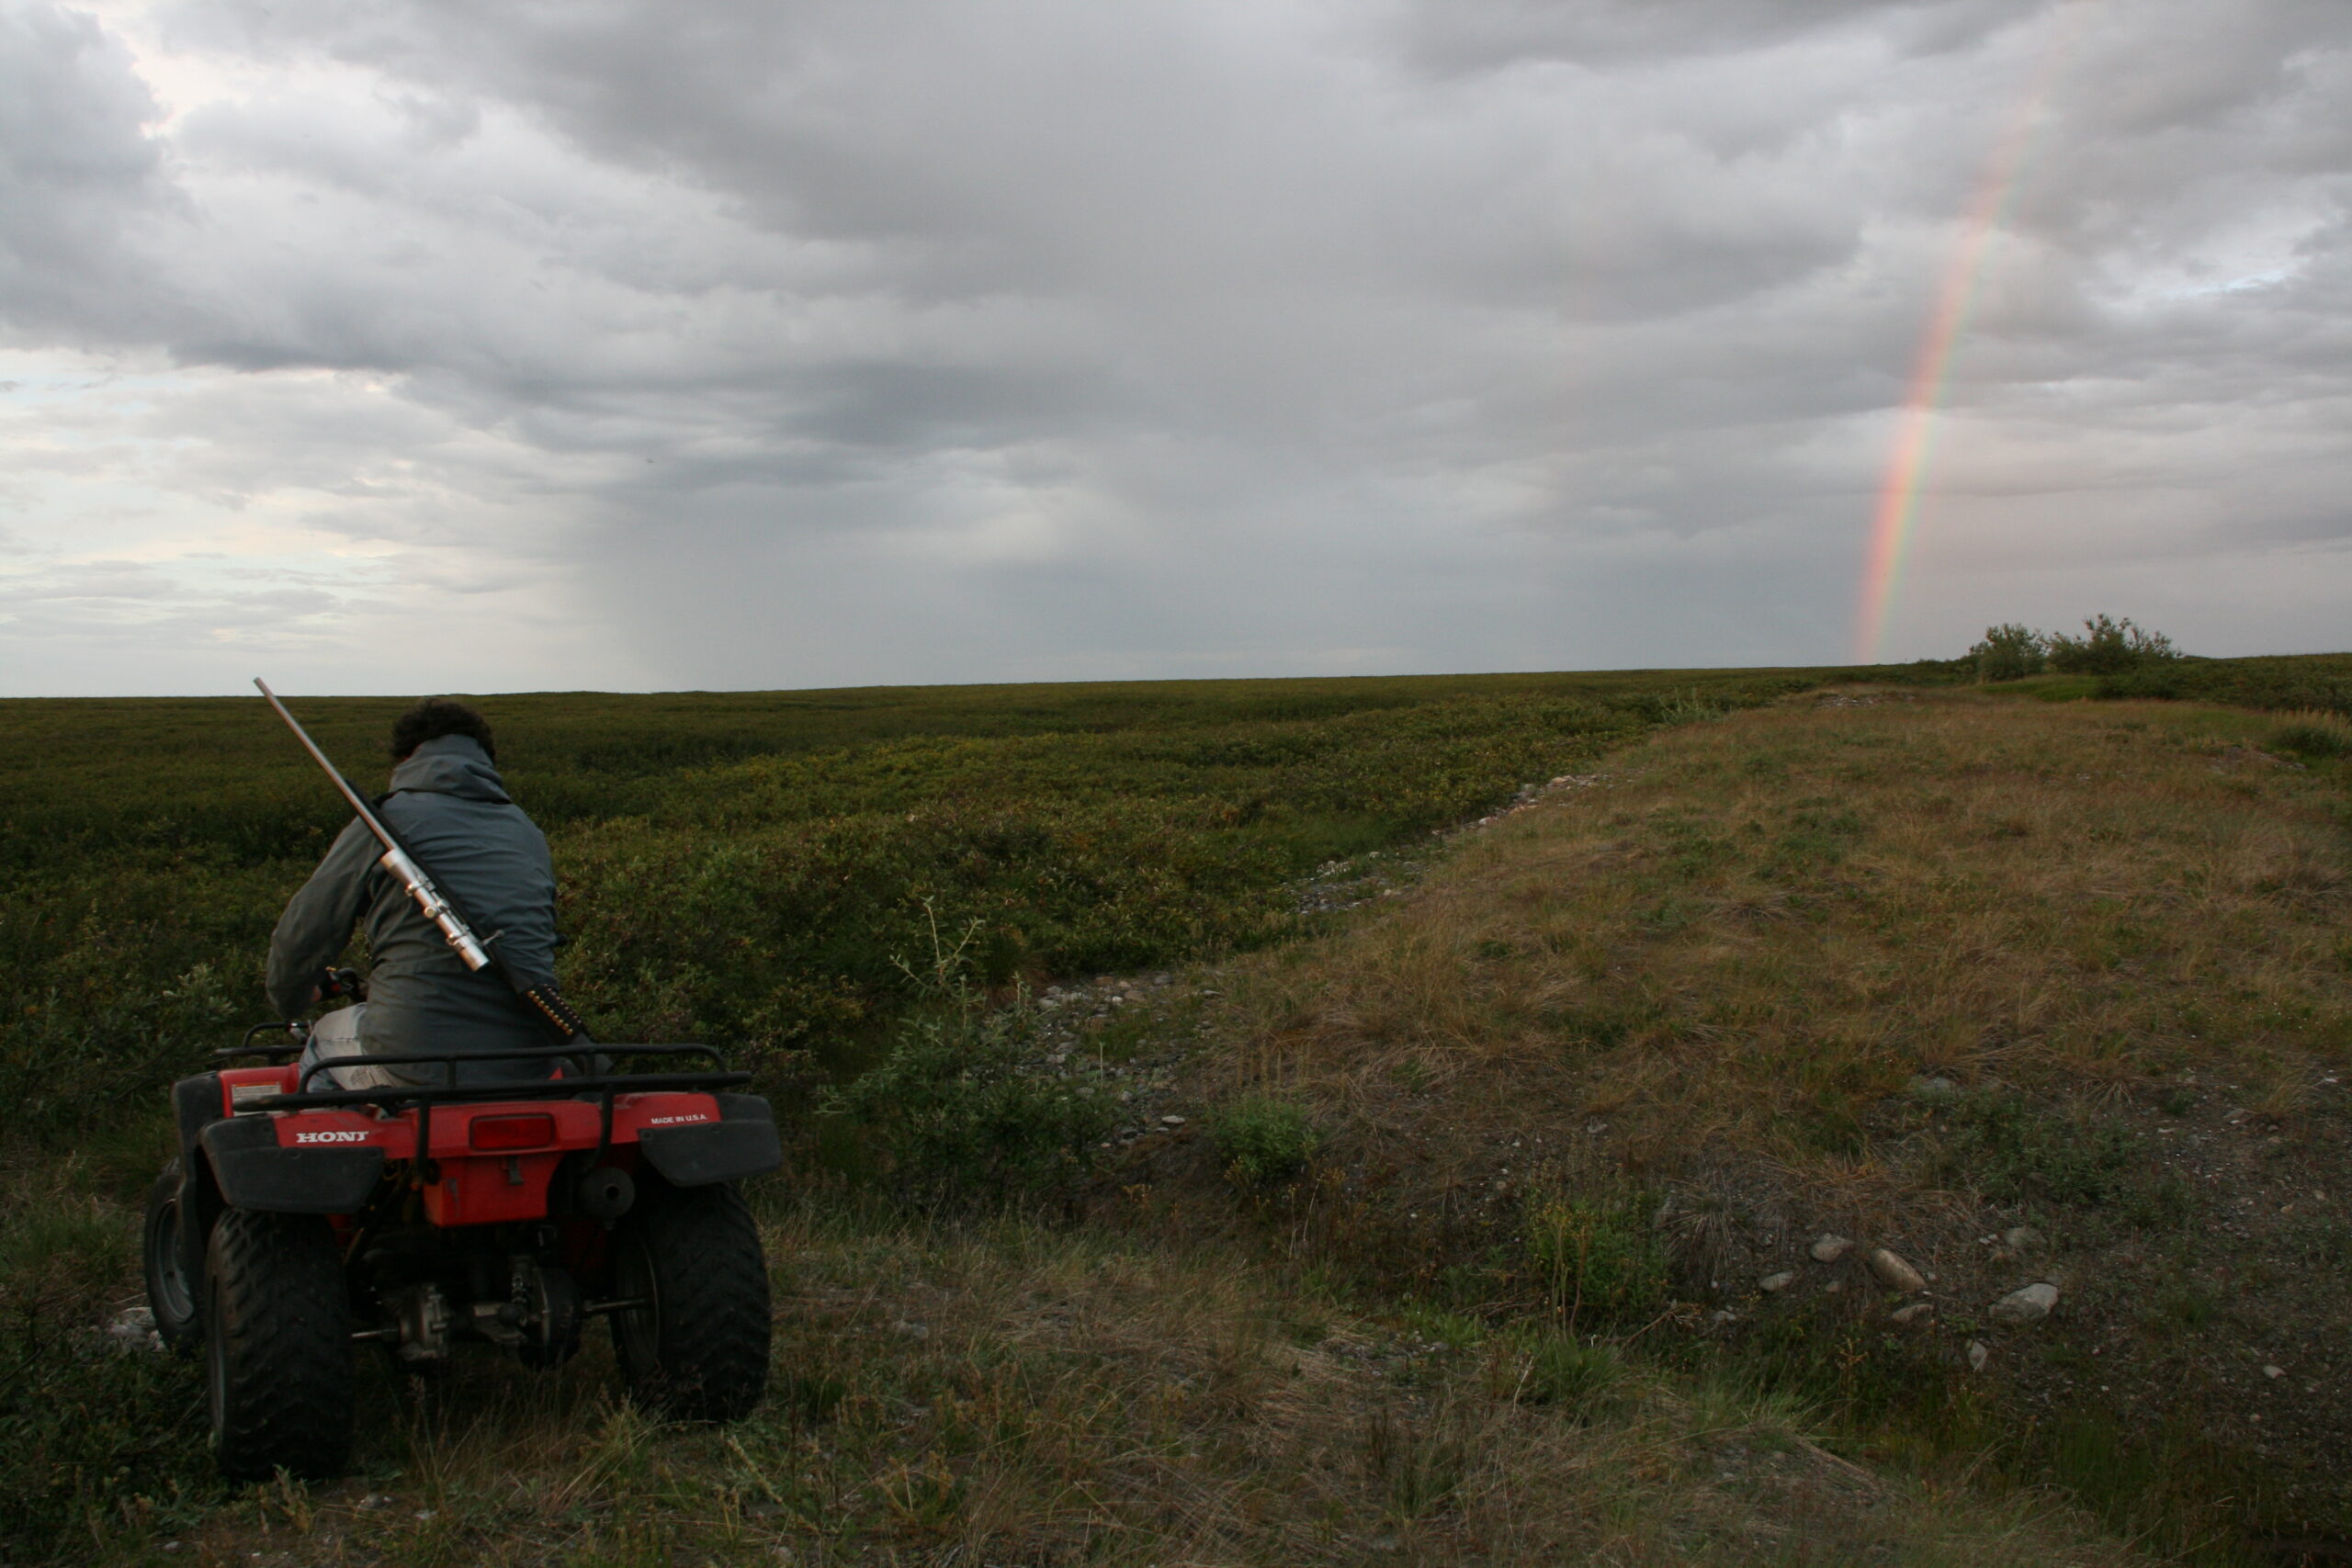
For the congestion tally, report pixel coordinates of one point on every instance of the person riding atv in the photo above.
(449, 805)
(453, 1159)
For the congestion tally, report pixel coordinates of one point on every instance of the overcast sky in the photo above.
(434, 345)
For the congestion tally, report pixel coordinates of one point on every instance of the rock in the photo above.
(2274, 1371)
(135, 1328)
(2029, 1305)
(2020, 1239)
(1171, 1120)
(1977, 1355)
(910, 1330)
(1831, 1248)
(1833, 1287)
(1895, 1274)
(1933, 1089)
(1772, 1283)
(1912, 1314)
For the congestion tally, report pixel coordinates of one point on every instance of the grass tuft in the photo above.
(2313, 735)
(1263, 1139)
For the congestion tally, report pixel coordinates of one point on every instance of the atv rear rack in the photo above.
(305, 1097)
(603, 1087)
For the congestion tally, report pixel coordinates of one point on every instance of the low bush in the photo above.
(956, 1114)
(2109, 647)
(101, 1437)
(2315, 735)
(1685, 707)
(1263, 1139)
(2010, 652)
(951, 1119)
(1599, 1261)
(101, 1443)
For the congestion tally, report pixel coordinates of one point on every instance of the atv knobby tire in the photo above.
(697, 1348)
(171, 1254)
(278, 1345)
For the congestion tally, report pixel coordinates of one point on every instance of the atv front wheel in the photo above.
(172, 1257)
(695, 1348)
(277, 1341)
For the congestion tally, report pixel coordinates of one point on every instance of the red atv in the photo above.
(297, 1220)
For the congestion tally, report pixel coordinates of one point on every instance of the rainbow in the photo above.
(1898, 510)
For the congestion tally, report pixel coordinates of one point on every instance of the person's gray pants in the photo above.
(336, 1035)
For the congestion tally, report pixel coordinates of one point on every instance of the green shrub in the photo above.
(1599, 1261)
(100, 1443)
(2313, 735)
(1685, 707)
(958, 1113)
(951, 1117)
(2109, 647)
(1264, 1139)
(2010, 652)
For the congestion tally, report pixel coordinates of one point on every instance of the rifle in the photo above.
(545, 1001)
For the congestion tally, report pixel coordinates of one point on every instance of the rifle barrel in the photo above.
(358, 801)
(396, 858)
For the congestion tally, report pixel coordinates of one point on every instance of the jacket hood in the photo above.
(451, 764)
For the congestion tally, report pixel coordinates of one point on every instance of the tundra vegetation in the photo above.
(1454, 1250)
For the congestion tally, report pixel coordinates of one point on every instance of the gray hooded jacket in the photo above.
(450, 809)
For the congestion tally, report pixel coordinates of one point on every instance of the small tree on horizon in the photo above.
(2010, 652)
(2109, 647)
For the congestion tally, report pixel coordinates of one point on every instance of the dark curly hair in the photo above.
(433, 718)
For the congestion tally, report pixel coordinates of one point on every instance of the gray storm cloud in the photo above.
(756, 345)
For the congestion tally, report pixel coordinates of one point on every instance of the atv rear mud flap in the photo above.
(743, 1145)
(254, 1173)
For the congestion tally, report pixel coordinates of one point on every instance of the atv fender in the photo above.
(253, 1172)
(743, 1143)
(195, 1105)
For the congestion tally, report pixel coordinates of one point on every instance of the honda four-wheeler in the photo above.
(301, 1219)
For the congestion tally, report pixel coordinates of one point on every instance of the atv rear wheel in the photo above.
(278, 1346)
(697, 1346)
(171, 1256)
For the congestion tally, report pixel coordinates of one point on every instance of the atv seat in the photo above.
(333, 1057)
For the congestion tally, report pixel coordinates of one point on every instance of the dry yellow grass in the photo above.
(1917, 968)
(1755, 929)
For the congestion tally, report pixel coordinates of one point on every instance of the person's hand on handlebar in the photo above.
(334, 982)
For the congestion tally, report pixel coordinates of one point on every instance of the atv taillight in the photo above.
(512, 1132)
